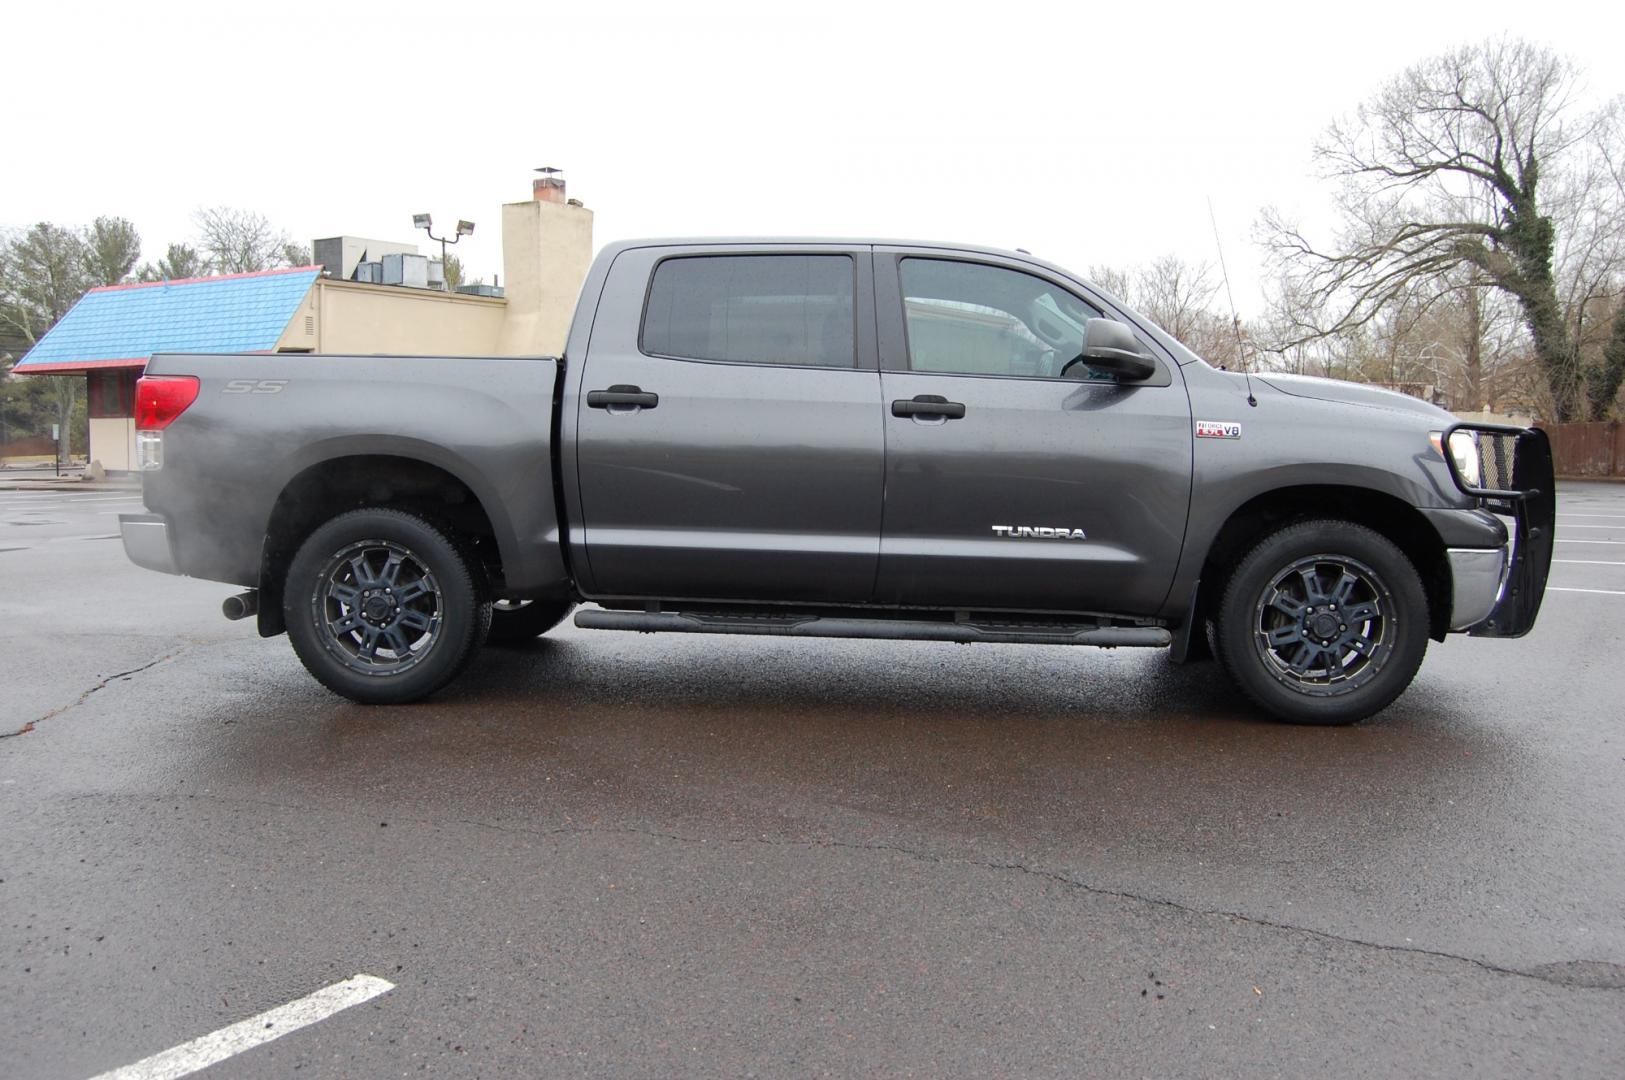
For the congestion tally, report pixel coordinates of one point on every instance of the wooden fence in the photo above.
(34, 446)
(1588, 451)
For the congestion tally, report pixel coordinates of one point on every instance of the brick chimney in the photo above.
(548, 187)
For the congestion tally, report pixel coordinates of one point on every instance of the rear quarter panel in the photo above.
(485, 420)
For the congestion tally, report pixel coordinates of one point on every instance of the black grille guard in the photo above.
(1530, 498)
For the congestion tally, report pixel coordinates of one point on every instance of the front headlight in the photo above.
(1464, 449)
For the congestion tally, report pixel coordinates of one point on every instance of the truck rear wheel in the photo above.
(383, 607)
(514, 621)
(1323, 622)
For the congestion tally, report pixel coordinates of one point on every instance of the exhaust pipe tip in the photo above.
(242, 605)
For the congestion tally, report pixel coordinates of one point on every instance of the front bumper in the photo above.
(1477, 577)
(146, 542)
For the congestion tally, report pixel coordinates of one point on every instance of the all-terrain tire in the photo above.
(384, 607)
(1323, 622)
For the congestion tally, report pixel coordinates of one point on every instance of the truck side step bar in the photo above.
(821, 626)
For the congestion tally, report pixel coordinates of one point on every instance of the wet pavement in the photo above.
(609, 854)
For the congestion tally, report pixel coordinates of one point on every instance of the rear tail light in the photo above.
(159, 399)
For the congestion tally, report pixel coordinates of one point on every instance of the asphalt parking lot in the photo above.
(608, 854)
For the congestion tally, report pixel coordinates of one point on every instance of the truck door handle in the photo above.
(622, 395)
(928, 405)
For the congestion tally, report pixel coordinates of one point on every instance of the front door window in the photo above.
(973, 319)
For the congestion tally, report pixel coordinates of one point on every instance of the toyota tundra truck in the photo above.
(842, 439)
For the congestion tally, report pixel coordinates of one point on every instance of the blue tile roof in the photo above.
(236, 313)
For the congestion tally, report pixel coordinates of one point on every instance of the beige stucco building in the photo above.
(546, 249)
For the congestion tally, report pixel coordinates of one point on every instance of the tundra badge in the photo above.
(1037, 532)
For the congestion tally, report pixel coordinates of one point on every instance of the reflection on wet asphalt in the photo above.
(624, 854)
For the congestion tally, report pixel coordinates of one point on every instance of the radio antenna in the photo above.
(1235, 318)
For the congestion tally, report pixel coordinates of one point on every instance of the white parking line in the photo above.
(1599, 592)
(1560, 517)
(1563, 525)
(200, 1053)
(1560, 540)
(1588, 562)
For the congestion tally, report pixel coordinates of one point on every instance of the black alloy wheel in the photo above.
(1324, 625)
(1323, 622)
(379, 606)
(383, 606)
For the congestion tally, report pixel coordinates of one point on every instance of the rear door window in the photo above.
(753, 309)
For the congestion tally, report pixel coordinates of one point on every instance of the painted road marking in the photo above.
(1599, 592)
(228, 1042)
(1588, 562)
(1567, 526)
(1560, 540)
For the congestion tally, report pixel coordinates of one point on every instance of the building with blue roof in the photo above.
(111, 333)
(121, 326)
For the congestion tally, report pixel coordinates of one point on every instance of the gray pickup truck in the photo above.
(855, 439)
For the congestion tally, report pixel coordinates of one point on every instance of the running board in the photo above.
(816, 626)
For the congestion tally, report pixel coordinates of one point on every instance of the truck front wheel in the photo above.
(383, 607)
(1323, 622)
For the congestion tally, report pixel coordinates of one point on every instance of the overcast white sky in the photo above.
(1088, 134)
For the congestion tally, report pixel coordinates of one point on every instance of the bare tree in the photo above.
(240, 241)
(1475, 159)
(1180, 297)
(1473, 343)
(297, 255)
(1115, 281)
(1456, 332)
(1175, 294)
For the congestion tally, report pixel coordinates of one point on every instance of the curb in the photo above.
(53, 484)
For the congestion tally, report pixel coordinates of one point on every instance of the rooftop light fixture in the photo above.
(424, 222)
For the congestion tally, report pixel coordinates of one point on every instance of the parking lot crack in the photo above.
(101, 685)
(1587, 974)
(1569, 974)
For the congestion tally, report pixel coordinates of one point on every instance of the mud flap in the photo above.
(1190, 640)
